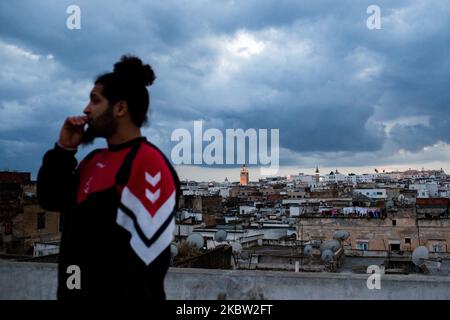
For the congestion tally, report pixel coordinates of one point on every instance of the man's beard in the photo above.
(104, 126)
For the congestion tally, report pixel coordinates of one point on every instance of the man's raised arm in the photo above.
(56, 179)
(56, 184)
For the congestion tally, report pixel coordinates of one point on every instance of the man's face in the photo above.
(101, 120)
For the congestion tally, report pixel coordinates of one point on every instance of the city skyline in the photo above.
(340, 93)
(200, 174)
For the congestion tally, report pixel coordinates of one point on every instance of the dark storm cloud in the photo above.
(311, 69)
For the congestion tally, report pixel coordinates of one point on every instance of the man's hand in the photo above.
(71, 134)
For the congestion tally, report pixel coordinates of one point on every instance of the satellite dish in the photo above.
(173, 250)
(260, 242)
(220, 235)
(333, 245)
(419, 256)
(195, 240)
(327, 255)
(236, 247)
(341, 235)
(308, 250)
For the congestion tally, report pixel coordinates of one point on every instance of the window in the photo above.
(363, 246)
(437, 248)
(407, 240)
(379, 193)
(394, 246)
(41, 220)
(394, 222)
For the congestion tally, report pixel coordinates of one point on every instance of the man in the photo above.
(118, 204)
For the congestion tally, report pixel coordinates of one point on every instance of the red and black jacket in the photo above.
(118, 210)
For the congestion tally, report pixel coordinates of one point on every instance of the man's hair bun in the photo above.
(131, 70)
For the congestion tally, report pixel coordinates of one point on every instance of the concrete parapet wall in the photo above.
(20, 280)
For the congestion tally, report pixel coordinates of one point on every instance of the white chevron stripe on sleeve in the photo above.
(153, 180)
(153, 197)
(148, 224)
(146, 254)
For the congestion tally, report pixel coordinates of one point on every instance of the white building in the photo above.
(294, 211)
(372, 193)
(247, 210)
(335, 177)
(365, 178)
(395, 175)
(187, 214)
(247, 238)
(194, 190)
(444, 193)
(45, 248)
(224, 192)
(302, 179)
(425, 190)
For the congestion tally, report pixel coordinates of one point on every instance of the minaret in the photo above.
(244, 176)
(317, 174)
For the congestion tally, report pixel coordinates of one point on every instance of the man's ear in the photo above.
(121, 108)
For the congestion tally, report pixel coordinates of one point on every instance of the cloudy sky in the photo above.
(342, 95)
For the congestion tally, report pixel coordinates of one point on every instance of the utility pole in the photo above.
(301, 245)
(418, 230)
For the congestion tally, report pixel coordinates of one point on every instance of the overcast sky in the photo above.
(342, 96)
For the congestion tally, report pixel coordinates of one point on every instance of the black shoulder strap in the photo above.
(124, 172)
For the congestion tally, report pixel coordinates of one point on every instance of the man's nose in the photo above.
(87, 110)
